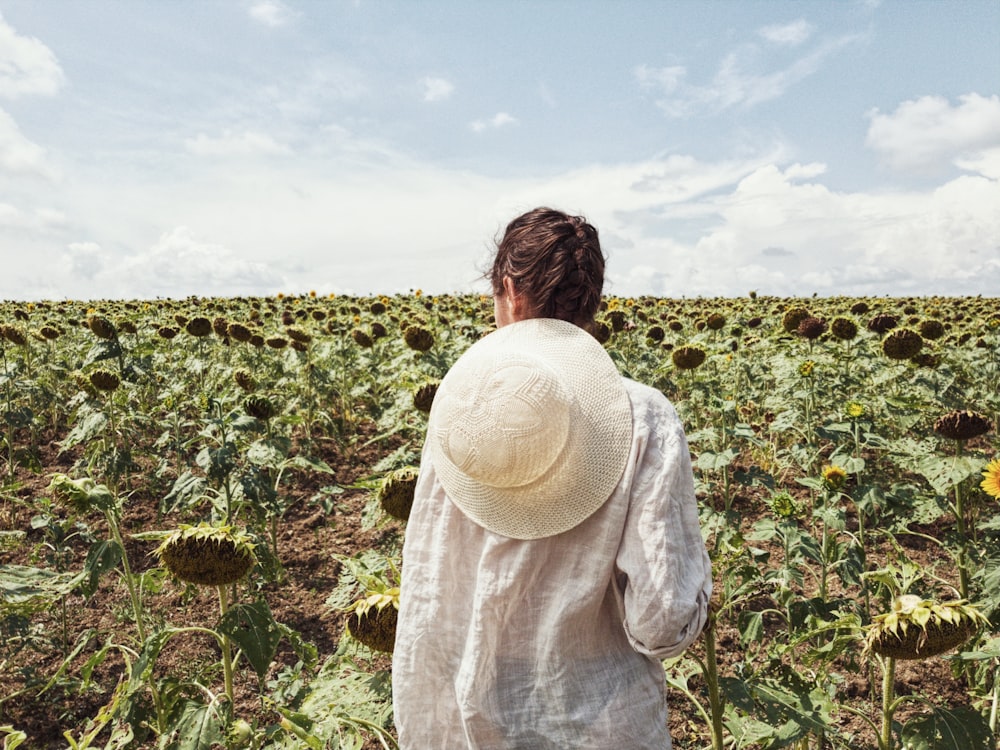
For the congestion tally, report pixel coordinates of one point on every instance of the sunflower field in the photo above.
(204, 500)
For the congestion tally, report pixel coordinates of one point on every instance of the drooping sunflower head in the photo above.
(373, 619)
(792, 318)
(198, 327)
(688, 357)
(207, 555)
(395, 494)
(902, 343)
(962, 425)
(239, 332)
(101, 327)
(931, 329)
(844, 329)
(716, 321)
(423, 397)
(811, 328)
(259, 407)
(991, 479)
(418, 338)
(104, 380)
(244, 380)
(919, 628)
(883, 323)
(362, 339)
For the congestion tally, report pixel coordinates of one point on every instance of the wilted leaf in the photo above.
(961, 728)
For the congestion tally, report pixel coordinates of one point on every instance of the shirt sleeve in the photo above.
(664, 572)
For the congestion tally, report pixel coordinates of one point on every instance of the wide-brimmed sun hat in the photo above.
(531, 429)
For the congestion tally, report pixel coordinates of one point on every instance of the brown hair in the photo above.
(555, 261)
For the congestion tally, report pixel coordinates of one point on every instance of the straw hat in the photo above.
(531, 428)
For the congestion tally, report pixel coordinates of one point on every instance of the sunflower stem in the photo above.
(712, 678)
(963, 538)
(227, 656)
(888, 707)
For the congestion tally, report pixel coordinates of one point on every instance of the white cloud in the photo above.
(18, 155)
(927, 134)
(499, 120)
(247, 143)
(27, 66)
(85, 260)
(436, 89)
(39, 221)
(271, 13)
(789, 34)
(665, 79)
(179, 264)
(736, 82)
(985, 162)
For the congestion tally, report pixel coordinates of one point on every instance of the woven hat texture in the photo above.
(531, 428)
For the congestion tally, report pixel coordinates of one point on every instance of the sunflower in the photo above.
(834, 477)
(962, 425)
(854, 410)
(991, 479)
(207, 555)
(920, 628)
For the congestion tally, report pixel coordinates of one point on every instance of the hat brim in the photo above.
(592, 462)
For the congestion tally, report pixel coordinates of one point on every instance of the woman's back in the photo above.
(553, 642)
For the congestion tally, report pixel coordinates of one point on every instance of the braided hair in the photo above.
(555, 262)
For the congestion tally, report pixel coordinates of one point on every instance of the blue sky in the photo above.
(243, 147)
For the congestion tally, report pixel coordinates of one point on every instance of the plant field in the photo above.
(199, 495)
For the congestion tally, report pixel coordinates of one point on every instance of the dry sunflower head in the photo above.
(395, 494)
(104, 380)
(688, 357)
(207, 555)
(792, 318)
(423, 397)
(920, 628)
(244, 380)
(199, 327)
(373, 619)
(418, 338)
(101, 327)
(962, 425)
(902, 343)
(259, 407)
(844, 329)
(239, 332)
(811, 328)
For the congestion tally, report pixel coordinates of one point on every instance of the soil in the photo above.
(308, 539)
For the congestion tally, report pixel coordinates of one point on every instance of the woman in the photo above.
(553, 556)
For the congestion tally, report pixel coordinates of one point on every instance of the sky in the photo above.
(249, 147)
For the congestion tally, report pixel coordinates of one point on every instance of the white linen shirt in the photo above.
(553, 643)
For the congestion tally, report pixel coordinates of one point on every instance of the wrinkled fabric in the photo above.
(553, 643)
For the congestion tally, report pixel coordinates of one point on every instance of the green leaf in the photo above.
(751, 626)
(315, 464)
(199, 727)
(961, 728)
(268, 453)
(253, 628)
(102, 557)
(102, 350)
(90, 426)
(944, 473)
(20, 584)
(186, 491)
(709, 461)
